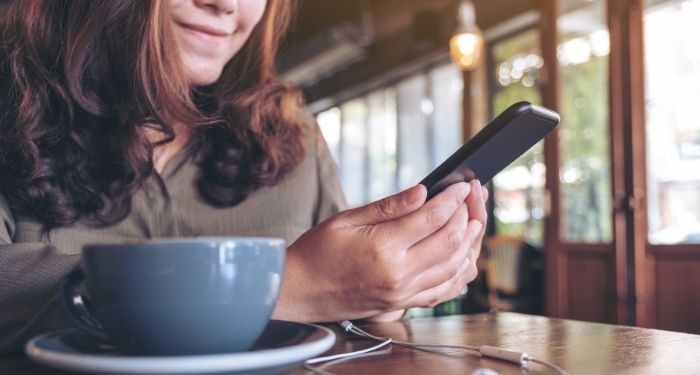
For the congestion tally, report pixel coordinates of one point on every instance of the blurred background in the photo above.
(599, 222)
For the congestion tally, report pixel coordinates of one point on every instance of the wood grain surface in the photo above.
(578, 347)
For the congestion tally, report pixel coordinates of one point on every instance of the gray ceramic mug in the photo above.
(180, 296)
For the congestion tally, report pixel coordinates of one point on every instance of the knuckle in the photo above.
(392, 301)
(433, 301)
(391, 295)
(457, 270)
(454, 239)
(457, 201)
(382, 252)
(376, 251)
(472, 271)
(476, 252)
(391, 283)
(436, 218)
(456, 290)
(384, 208)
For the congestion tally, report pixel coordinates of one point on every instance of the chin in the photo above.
(203, 77)
(203, 72)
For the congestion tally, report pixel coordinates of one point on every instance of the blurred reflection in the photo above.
(672, 62)
(382, 143)
(446, 87)
(352, 151)
(392, 137)
(413, 108)
(519, 189)
(584, 172)
(329, 122)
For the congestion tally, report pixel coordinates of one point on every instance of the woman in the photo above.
(125, 120)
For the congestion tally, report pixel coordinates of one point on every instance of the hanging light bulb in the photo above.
(467, 45)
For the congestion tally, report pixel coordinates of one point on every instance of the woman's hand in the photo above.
(392, 254)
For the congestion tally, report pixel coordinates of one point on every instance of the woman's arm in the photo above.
(30, 275)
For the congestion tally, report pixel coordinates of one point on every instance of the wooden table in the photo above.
(578, 347)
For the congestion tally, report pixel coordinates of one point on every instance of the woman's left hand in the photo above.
(475, 251)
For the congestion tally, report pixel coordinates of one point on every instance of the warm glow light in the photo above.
(467, 43)
(465, 50)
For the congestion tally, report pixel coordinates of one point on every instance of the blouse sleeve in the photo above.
(30, 275)
(331, 199)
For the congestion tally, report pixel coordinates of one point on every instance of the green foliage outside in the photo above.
(585, 152)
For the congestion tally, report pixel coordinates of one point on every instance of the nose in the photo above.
(218, 6)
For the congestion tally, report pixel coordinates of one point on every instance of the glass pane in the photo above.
(446, 91)
(672, 62)
(354, 142)
(382, 143)
(519, 189)
(414, 156)
(329, 122)
(584, 172)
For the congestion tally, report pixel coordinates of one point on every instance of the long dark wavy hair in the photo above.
(80, 81)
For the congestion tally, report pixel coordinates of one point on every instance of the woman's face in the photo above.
(211, 32)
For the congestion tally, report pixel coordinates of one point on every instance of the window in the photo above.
(446, 87)
(391, 138)
(329, 122)
(518, 189)
(414, 153)
(382, 143)
(584, 133)
(353, 150)
(672, 58)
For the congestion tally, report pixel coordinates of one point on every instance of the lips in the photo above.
(211, 31)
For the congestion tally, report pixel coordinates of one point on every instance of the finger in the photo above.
(476, 245)
(476, 203)
(447, 290)
(485, 193)
(433, 215)
(446, 269)
(387, 209)
(440, 246)
(477, 211)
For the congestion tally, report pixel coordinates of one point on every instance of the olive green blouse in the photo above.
(32, 263)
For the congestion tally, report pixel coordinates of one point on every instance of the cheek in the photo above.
(251, 12)
(172, 4)
(249, 16)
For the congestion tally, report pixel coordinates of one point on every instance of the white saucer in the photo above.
(282, 346)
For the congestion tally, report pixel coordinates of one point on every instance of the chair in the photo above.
(513, 274)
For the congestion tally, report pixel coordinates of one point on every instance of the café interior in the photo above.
(599, 222)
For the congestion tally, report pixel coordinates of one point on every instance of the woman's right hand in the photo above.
(392, 254)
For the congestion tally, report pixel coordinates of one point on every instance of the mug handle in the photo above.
(74, 304)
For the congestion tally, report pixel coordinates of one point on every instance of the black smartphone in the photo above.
(502, 141)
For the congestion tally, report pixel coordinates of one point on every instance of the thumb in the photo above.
(389, 208)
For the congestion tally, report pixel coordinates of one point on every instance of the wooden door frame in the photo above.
(633, 261)
(628, 137)
(560, 255)
(555, 267)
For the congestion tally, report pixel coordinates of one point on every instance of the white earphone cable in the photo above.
(520, 358)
